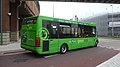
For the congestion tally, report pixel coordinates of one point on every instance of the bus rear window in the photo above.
(29, 21)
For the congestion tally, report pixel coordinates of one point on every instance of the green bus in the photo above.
(45, 35)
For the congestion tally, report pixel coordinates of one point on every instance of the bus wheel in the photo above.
(96, 43)
(63, 49)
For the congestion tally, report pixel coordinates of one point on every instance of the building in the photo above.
(13, 12)
(108, 24)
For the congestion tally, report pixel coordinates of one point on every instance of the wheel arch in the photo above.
(97, 41)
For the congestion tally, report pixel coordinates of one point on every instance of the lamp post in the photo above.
(1, 23)
(107, 15)
(118, 11)
(112, 21)
(53, 9)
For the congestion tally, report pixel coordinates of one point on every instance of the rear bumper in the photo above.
(32, 48)
(35, 49)
(27, 47)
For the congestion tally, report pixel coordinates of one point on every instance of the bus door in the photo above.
(88, 35)
(92, 34)
(84, 39)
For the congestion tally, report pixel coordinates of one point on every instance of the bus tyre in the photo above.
(96, 43)
(63, 49)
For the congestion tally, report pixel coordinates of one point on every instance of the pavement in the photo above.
(11, 48)
(109, 43)
(112, 62)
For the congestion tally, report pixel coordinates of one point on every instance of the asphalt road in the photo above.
(89, 57)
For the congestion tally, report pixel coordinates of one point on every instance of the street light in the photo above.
(53, 9)
(107, 15)
(0, 25)
(118, 11)
(112, 21)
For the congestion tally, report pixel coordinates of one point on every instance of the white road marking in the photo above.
(108, 47)
(13, 53)
(116, 49)
(51, 56)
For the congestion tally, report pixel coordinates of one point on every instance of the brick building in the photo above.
(13, 11)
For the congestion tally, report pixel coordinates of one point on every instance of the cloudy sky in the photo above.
(68, 10)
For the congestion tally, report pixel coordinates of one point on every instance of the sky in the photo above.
(68, 10)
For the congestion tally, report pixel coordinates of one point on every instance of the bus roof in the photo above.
(67, 21)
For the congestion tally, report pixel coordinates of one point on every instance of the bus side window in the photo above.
(86, 31)
(79, 32)
(65, 30)
(76, 32)
(72, 32)
(53, 29)
(89, 31)
(93, 31)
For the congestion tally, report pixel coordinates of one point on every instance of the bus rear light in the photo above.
(37, 42)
